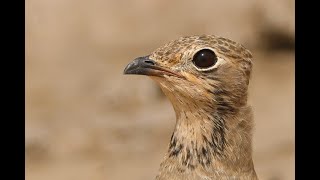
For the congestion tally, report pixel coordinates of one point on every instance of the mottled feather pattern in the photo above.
(213, 131)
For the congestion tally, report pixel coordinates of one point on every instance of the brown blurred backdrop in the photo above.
(85, 120)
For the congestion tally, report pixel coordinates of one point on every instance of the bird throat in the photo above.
(198, 139)
(206, 137)
(212, 134)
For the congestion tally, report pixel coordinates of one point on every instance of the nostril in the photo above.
(149, 62)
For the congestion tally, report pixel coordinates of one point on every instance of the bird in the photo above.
(206, 79)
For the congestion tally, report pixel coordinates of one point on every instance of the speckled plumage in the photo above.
(213, 132)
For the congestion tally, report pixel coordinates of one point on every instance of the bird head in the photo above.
(199, 72)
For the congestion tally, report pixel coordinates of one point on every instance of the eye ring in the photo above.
(204, 59)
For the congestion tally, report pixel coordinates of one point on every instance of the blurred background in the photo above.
(86, 120)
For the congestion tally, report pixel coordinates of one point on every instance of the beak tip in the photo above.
(127, 69)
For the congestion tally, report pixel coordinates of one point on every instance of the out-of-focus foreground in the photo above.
(86, 120)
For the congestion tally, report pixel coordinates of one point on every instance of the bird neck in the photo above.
(204, 140)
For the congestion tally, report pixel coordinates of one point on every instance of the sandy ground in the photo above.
(85, 120)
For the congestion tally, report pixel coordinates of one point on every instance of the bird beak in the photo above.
(146, 66)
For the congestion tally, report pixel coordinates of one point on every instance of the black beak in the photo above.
(146, 66)
(140, 65)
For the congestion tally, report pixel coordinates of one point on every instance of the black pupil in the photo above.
(204, 58)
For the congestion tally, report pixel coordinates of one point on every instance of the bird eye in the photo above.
(204, 58)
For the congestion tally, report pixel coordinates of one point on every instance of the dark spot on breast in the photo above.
(191, 166)
(204, 151)
(208, 161)
(204, 138)
(175, 150)
(180, 170)
(188, 160)
(188, 155)
(206, 158)
(173, 141)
